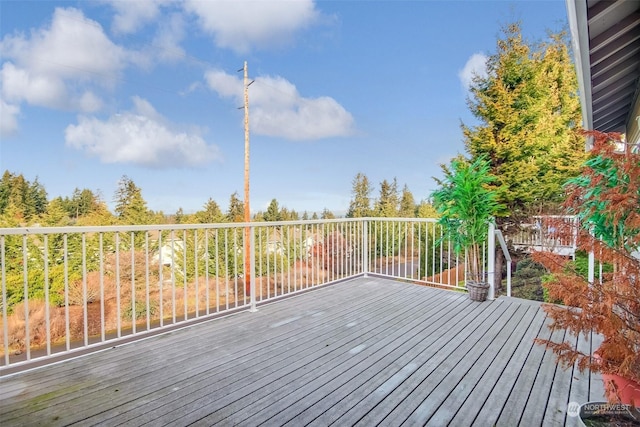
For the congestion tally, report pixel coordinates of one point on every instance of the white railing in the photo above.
(507, 256)
(550, 233)
(73, 289)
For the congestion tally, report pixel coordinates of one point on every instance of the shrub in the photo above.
(606, 197)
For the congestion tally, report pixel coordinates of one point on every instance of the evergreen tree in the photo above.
(211, 213)
(57, 215)
(5, 190)
(387, 203)
(426, 210)
(131, 208)
(273, 212)
(18, 190)
(235, 213)
(25, 200)
(327, 214)
(528, 108)
(37, 201)
(82, 203)
(360, 205)
(99, 214)
(180, 216)
(289, 215)
(407, 204)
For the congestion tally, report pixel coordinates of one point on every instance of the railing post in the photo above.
(252, 270)
(365, 247)
(491, 260)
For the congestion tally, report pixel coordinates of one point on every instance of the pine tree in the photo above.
(288, 215)
(426, 210)
(18, 190)
(528, 109)
(99, 214)
(387, 203)
(25, 200)
(327, 214)
(5, 189)
(82, 203)
(131, 208)
(37, 199)
(180, 216)
(211, 213)
(57, 215)
(273, 212)
(235, 212)
(360, 205)
(407, 204)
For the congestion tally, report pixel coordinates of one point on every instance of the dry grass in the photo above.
(17, 325)
(448, 277)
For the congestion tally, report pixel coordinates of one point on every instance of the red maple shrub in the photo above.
(606, 198)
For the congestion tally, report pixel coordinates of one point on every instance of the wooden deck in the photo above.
(364, 352)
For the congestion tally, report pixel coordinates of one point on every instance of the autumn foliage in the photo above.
(606, 198)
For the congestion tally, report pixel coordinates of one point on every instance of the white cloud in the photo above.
(241, 25)
(142, 137)
(475, 66)
(278, 109)
(52, 66)
(8, 118)
(18, 84)
(226, 85)
(72, 47)
(88, 102)
(132, 15)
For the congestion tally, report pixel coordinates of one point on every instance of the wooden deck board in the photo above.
(490, 395)
(596, 385)
(462, 344)
(232, 372)
(323, 351)
(351, 362)
(542, 390)
(165, 348)
(467, 391)
(373, 370)
(397, 372)
(366, 351)
(518, 400)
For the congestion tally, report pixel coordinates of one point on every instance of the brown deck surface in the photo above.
(369, 351)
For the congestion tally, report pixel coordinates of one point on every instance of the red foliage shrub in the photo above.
(606, 197)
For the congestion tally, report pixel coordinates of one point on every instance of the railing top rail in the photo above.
(169, 227)
(432, 220)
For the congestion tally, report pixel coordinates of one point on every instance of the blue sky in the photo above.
(94, 90)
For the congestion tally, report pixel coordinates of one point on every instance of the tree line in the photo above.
(24, 202)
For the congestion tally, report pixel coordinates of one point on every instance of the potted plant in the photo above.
(606, 198)
(465, 205)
